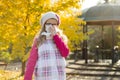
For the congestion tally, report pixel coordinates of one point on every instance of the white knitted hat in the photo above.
(47, 16)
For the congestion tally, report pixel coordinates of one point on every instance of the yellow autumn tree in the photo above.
(20, 22)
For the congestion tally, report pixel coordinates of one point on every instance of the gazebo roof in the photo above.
(103, 14)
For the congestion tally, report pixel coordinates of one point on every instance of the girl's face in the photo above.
(50, 23)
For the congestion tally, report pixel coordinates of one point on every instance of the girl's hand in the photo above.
(53, 30)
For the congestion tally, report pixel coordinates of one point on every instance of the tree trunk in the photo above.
(23, 68)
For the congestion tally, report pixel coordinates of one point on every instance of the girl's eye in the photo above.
(51, 24)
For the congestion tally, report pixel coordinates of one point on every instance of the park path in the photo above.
(80, 71)
(92, 71)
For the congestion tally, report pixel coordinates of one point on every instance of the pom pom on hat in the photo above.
(47, 16)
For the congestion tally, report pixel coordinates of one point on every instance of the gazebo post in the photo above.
(84, 52)
(102, 40)
(113, 43)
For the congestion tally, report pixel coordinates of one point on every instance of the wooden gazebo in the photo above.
(103, 14)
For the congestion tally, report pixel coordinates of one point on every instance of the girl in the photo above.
(47, 56)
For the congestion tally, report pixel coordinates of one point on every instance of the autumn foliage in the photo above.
(19, 22)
